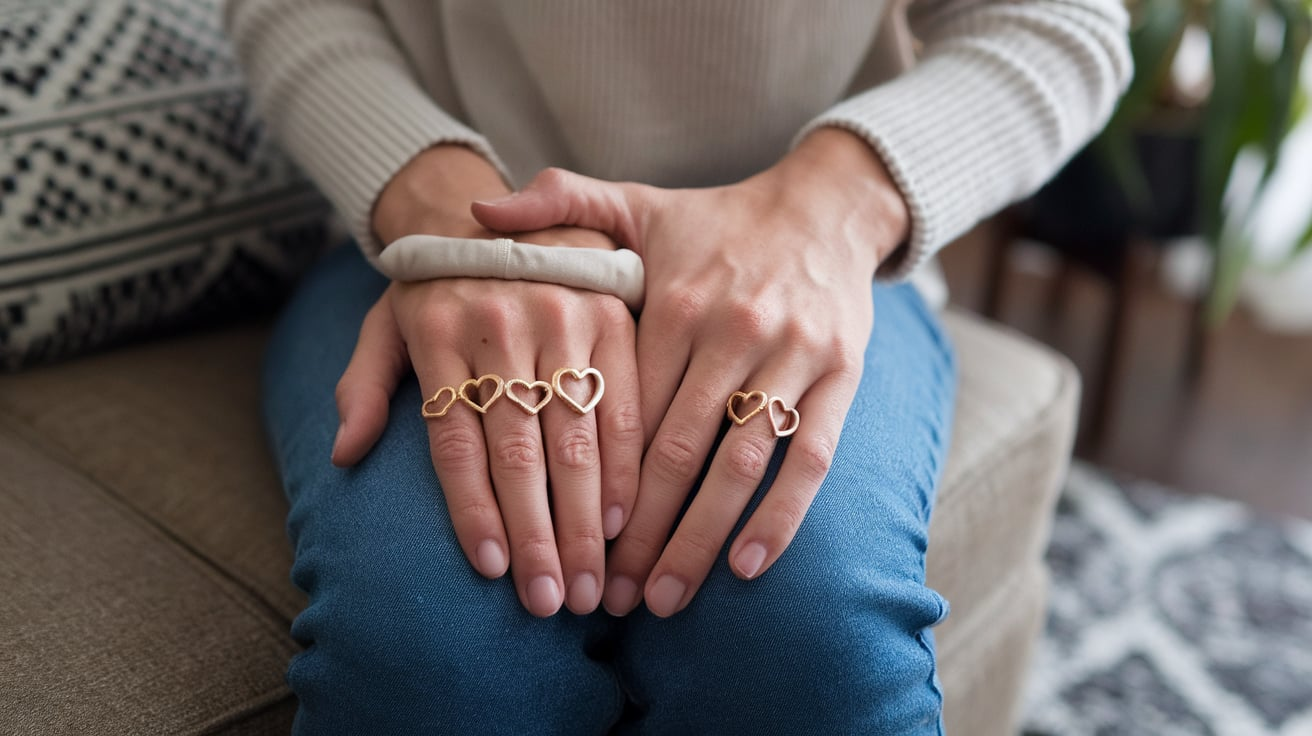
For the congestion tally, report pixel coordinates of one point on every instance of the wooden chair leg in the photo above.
(1106, 388)
(1002, 238)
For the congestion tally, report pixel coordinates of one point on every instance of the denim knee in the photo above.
(828, 650)
(402, 653)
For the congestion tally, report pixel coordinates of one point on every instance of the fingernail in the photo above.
(497, 200)
(337, 440)
(665, 595)
(491, 560)
(612, 521)
(750, 559)
(583, 593)
(621, 595)
(543, 595)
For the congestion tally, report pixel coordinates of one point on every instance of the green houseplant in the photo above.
(1257, 49)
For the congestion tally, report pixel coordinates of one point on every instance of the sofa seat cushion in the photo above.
(172, 428)
(109, 626)
(1015, 421)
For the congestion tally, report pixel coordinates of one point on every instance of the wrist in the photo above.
(431, 194)
(835, 171)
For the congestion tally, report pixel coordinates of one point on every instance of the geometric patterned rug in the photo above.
(1172, 615)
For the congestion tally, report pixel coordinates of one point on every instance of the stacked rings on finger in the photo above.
(518, 391)
(743, 405)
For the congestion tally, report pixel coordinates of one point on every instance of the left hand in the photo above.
(761, 285)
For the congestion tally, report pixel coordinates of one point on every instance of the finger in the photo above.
(460, 460)
(559, 197)
(669, 469)
(664, 346)
(519, 479)
(574, 463)
(367, 385)
(619, 422)
(810, 453)
(734, 476)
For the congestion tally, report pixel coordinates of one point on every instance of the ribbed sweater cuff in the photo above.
(380, 120)
(942, 130)
(342, 99)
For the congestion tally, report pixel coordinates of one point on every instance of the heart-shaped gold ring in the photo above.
(529, 386)
(599, 387)
(736, 398)
(436, 401)
(477, 384)
(789, 416)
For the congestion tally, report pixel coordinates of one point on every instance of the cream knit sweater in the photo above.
(688, 92)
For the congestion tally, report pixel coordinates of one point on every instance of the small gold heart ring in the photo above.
(530, 387)
(738, 399)
(791, 419)
(430, 408)
(477, 385)
(598, 388)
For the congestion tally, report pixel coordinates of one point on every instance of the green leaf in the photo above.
(1301, 245)
(1154, 38)
(1232, 28)
(1233, 252)
(1284, 80)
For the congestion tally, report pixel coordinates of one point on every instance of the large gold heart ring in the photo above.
(743, 400)
(529, 388)
(477, 385)
(439, 403)
(579, 376)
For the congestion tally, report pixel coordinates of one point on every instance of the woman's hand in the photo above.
(494, 467)
(762, 285)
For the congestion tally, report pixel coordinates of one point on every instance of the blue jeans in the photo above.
(401, 635)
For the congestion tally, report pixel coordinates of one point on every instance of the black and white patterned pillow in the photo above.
(137, 190)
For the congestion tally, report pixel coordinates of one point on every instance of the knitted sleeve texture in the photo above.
(1004, 93)
(340, 96)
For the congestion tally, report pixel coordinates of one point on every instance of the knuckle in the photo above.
(552, 176)
(434, 318)
(786, 518)
(747, 459)
(847, 359)
(474, 509)
(583, 538)
(535, 548)
(624, 425)
(750, 321)
(517, 450)
(491, 315)
(613, 312)
(642, 544)
(674, 457)
(458, 448)
(576, 448)
(698, 545)
(816, 457)
(683, 308)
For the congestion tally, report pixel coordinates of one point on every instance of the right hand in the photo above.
(494, 468)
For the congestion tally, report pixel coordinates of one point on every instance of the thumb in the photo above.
(367, 385)
(558, 197)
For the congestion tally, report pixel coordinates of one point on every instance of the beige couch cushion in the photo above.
(174, 504)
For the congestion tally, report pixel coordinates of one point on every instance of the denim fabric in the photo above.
(402, 636)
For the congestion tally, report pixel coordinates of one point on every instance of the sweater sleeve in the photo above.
(337, 92)
(1004, 93)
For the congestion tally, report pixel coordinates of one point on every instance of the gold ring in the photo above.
(530, 386)
(436, 400)
(477, 384)
(599, 387)
(739, 400)
(788, 414)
